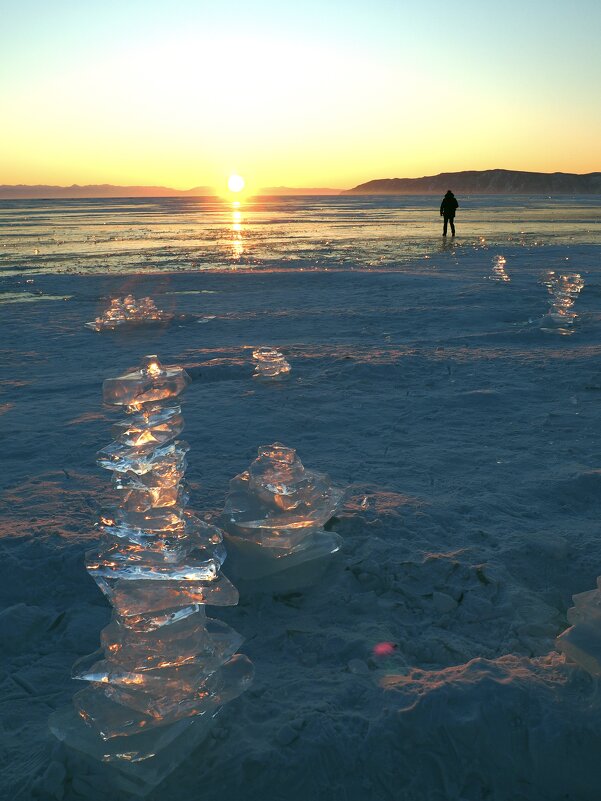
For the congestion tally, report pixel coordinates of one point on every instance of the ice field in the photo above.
(453, 386)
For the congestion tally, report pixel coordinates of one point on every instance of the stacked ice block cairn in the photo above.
(163, 662)
(129, 311)
(499, 272)
(564, 289)
(581, 643)
(270, 363)
(274, 516)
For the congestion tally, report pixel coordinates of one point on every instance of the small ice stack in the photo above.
(164, 668)
(129, 311)
(499, 273)
(564, 289)
(270, 364)
(274, 516)
(581, 643)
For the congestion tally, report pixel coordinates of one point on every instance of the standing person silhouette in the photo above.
(447, 210)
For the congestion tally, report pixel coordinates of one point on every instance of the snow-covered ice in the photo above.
(423, 665)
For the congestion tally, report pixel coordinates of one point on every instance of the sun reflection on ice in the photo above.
(237, 229)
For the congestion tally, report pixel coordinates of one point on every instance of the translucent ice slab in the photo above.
(193, 639)
(114, 712)
(151, 382)
(124, 458)
(166, 472)
(251, 561)
(134, 764)
(138, 499)
(582, 641)
(153, 425)
(136, 598)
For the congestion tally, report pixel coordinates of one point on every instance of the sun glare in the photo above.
(235, 183)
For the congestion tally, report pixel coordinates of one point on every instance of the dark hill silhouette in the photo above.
(485, 182)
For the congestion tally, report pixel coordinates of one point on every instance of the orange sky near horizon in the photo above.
(144, 95)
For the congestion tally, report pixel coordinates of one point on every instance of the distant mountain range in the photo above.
(24, 192)
(290, 190)
(486, 182)
(468, 182)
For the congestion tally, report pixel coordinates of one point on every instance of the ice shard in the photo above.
(162, 663)
(270, 364)
(129, 312)
(581, 643)
(563, 289)
(274, 516)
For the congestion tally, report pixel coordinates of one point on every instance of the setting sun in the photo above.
(235, 183)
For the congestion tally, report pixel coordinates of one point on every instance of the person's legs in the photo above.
(452, 221)
(444, 228)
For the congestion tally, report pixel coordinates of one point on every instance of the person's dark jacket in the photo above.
(449, 205)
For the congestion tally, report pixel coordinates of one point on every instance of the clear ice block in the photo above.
(153, 425)
(161, 660)
(150, 383)
(275, 512)
(581, 643)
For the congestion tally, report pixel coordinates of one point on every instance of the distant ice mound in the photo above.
(564, 289)
(275, 512)
(582, 641)
(129, 311)
(270, 364)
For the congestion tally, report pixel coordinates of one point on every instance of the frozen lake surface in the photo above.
(426, 375)
(346, 232)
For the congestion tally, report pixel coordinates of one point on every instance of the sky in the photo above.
(303, 94)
